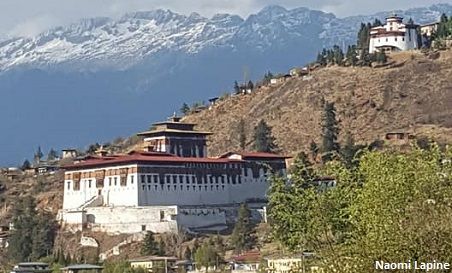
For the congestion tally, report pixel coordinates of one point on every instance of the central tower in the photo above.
(176, 137)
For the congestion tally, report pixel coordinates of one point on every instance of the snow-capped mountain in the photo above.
(122, 43)
(100, 78)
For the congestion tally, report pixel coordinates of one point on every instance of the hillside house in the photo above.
(4, 235)
(284, 265)
(12, 173)
(69, 153)
(83, 268)
(246, 262)
(429, 29)
(280, 80)
(399, 136)
(155, 263)
(299, 71)
(394, 36)
(31, 267)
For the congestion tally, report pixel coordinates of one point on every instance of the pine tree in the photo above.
(240, 132)
(351, 55)
(43, 235)
(263, 139)
(206, 257)
(267, 77)
(236, 87)
(21, 238)
(26, 165)
(377, 23)
(349, 150)
(219, 245)
(161, 248)
(188, 254)
(338, 55)
(61, 258)
(149, 246)
(242, 238)
(185, 109)
(314, 149)
(250, 85)
(302, 171)
(330, 131)
(38, 155)
(52, 155)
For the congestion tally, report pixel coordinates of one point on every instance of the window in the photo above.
(89, 183)
(403, 38)
(143, 178)
(116, 181)
(149, 178)
(156, 178)
(149, 187)
(143, 227)
(395, 39)
(109, 181)
(68, 185)
(144, 187)
(386, 39)
(131, 179)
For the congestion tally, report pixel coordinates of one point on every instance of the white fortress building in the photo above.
(171, 186)
(394, 36)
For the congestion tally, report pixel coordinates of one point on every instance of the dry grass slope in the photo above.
(413, 95)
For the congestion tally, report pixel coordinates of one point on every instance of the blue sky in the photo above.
(30, 17)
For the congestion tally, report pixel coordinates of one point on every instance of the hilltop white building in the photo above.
(170, 186)
(394, 36)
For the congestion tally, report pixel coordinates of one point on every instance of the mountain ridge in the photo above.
(98, 38)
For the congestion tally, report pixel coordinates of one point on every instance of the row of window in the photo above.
(155, 179)
(395, 39)
(181, 187)
(181, 179)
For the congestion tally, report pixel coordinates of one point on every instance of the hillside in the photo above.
(413, 95)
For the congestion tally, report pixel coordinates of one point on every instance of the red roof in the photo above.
(143, 157)
(250, 257)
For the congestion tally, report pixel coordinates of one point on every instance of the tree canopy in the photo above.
(393, 206)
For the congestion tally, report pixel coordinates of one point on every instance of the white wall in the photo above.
(202, 217)
(132, 219)
(407, 42)
(114, 195)
(197, 194)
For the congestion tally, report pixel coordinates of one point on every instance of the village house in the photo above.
(171, 185)
(399, 137)
(394, 36)
(84, 268)
(299, 71)
(4, 235)
(280, 79)
(284, 265)
(68, 153)
(429, 29)
(246, 262)
(31, 267)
